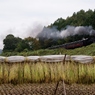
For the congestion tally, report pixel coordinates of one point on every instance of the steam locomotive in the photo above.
(76, 44)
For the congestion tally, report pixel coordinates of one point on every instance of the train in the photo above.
(75, 44)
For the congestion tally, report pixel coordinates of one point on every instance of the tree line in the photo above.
(81, 18)
(12, 43)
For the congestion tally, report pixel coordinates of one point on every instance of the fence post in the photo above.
(60, 80)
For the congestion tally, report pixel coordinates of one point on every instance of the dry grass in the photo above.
(31, 72)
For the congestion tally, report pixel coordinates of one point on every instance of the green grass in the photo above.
(88, 50)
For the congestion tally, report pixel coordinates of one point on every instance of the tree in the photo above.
(80, 18)
(93, 19)
(10, 43)
(33, 43)
(17, 44)
(22, 45)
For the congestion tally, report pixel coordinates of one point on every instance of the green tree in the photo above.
(22, 45)
(93, 19)
(33, 43)
(80, 18)
(10, 43)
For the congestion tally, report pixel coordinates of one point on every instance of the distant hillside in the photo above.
(80, 25)
(81, 18)
(76, 27)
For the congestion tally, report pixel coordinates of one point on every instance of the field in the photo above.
(46, 89)
(42, 72)
(39, 78)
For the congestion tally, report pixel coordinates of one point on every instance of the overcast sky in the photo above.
(18, 17)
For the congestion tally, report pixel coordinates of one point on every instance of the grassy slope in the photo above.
(88, 50)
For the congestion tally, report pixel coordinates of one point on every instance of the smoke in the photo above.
(38, 31)
(22, 31)
(53, 33)
(49, 33)
(34, 30)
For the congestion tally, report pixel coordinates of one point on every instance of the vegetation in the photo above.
(86, 50)
(17, 44)
(38, 72)
(31, 72)
(81, 18)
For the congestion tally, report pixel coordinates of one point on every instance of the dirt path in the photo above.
(46, 89)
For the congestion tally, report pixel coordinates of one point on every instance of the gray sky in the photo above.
(19, 17)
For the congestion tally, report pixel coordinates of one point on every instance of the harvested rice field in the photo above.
(41, 77)
(46, 89)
